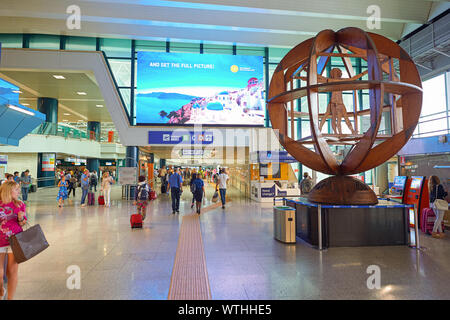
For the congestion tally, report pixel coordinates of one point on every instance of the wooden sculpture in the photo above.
(307, 61)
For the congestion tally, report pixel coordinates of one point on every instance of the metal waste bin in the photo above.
(284, 224)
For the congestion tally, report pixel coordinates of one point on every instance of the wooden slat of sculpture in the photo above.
(351, 72)
(359, 152)
(408, 73)
(278, 113)
(389, 86)
(321, 42)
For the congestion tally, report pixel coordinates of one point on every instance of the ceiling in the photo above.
(281, 23)
(72, 106)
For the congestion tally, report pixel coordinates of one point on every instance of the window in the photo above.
(116, 47)
(434, 96)
(44, 42)
(434, 115)
(11, 40)
(81, 43)
(251, 51)
(184, 47)
(217, 49)
(122, 71)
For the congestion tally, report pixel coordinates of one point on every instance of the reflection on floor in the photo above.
(243, 260)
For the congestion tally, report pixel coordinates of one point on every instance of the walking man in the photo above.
(84, 186)
(25, 182)
(223, 178)
(176, 187)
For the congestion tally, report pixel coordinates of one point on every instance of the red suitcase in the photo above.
(152, 195)
(101, 200)
(91, 199)
(136, 221)
(427, 221)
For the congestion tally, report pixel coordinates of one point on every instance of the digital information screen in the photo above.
(207, 89)
(399, 182)
(416, 182)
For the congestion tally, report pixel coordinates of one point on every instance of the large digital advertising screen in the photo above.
(206, 89)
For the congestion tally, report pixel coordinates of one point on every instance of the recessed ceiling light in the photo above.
(99, 105)
(25, 104)
(67, 114)
(66, 120)
(80, 120)
(17, 91)
(58, 77)
(81, 93)
(20, 110)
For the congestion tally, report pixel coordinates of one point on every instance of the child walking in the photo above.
(62, 193)
(141, 197)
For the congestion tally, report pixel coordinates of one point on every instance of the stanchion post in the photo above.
(416, 229)
(319, 223)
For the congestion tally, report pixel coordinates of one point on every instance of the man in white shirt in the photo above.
(223, 178)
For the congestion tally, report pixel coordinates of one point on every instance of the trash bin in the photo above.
(284, 224)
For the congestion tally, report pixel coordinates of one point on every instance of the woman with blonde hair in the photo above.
(107, 181)
(437, 193)
(12, 218)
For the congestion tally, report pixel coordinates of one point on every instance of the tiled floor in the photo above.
(243, 259)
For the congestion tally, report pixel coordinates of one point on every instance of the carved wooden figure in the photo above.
(369, 149)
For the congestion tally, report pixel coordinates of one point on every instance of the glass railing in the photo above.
(68, 131)
(61, 130)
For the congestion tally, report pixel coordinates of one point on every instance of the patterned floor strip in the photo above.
(189, 279)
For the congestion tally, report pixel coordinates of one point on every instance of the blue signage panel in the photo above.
(268, 192)
(427, 145)
(180, 137)
(275, 156)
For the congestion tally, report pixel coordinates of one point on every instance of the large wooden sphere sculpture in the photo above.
(394, 96)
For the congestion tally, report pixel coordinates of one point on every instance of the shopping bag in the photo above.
(26, 244)
(215, 197)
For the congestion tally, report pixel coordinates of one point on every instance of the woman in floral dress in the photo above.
(62, 193)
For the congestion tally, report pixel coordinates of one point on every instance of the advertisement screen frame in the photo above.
(190, 125)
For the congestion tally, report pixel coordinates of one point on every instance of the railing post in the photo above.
(416, 229)
(319, 223)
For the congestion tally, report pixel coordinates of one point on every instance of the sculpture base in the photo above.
(343, 190)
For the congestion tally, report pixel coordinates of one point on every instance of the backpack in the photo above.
(193, 187)
(93, 179)
(143, 191)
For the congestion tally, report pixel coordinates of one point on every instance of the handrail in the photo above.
(274, 198)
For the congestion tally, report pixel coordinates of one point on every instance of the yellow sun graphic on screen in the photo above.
(234, 68)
